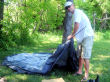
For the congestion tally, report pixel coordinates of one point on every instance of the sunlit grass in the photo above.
(48, 42)
(102, 35)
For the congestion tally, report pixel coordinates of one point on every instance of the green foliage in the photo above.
(26, 18)
(23, 18)
(107, 35)
(44, 14)
(99, 7)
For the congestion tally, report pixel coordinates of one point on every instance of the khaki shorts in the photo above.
(85, 48)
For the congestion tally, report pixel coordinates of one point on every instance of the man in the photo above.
(83, 33)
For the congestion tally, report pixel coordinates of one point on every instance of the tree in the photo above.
(1, 14)
(67, 25)
(1, 18)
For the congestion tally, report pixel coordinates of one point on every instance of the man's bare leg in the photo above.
(86, 66)
(80, 65)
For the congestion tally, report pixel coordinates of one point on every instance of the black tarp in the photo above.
(42, 63)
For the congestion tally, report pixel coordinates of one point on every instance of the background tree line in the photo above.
(21, 19)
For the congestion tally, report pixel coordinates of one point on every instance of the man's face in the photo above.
(71, 8)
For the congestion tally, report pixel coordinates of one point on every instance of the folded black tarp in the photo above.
(42, 63)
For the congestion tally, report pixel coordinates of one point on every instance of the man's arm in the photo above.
(76, 26)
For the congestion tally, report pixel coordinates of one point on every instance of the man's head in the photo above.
(69, 6)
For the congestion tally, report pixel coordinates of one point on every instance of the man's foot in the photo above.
(84, 79)
(77, 74)
(86, 75)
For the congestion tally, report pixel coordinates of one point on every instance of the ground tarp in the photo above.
(42, 63)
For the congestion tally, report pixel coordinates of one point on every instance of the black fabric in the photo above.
(94, 80)
(64, 56)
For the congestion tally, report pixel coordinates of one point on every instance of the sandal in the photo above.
(77, 74)
(84, 79)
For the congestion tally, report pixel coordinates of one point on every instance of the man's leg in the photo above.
(86, 66)
(87, 49)
(80, 65)
(79, 49)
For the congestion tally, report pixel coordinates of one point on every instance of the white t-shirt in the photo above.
(85, 28)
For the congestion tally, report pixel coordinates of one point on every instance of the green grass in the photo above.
(48, 42)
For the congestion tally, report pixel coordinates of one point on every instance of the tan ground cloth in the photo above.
(2, 79)
(54, 80)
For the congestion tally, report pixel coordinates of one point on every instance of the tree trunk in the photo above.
(94, 20)
(67, 25)
(1, 14)
(103, 23)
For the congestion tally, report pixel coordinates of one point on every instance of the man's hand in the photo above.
(69, 37)
(76, 26)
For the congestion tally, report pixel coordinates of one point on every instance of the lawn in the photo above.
(48, 42)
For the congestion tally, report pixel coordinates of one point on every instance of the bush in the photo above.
(106, 35)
